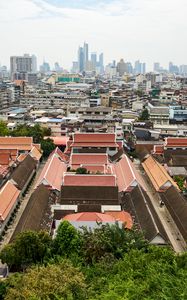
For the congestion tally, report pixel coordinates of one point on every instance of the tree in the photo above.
(81, 171)
(47, 147)
(144, 115)
(58, 281)
(67, 241)
(3, 129)
(110, 240)
(29, 248)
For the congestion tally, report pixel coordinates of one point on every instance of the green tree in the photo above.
(55, 282)
(67, 241)
(29, 248)
(47, 147)
(110, 240)
(81, 171)
(3, 129)
(144, 115)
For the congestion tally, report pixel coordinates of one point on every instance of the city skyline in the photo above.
(131, 30)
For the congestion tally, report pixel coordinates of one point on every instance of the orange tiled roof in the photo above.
(127, 175)
(16, 143)
(158, 149)
(175, 142)
(94, 137)
(52, 173)
(89, 180)
(35, 153)
(158, 174)
(89, 217)
(4, 159)
(122, 216)
(90, 159)
(8, 197)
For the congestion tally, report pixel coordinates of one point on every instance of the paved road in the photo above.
(176, 239)
(24, 202)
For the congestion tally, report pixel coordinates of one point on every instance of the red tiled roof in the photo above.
(90, 159)
(4, 170)
(89, 217)
(59, 140)
(22, 156)
(127, 175)
(16, 143)
(35, 153)
(52, 173)
(8, 197)
(4, 159)
(89, 180)
(94, 137)
(158, 149)
(95, 144)
(60, 154)
(157, 174)
(175, 142)
(122, 216)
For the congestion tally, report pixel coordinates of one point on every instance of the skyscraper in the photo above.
(81, 59)
(156, 67)
(101, 63)
(94, 59)
(85, 50)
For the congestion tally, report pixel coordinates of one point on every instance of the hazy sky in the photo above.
(149, 30)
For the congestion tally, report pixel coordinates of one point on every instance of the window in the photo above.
(112, 148)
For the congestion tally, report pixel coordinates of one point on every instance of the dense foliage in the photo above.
(104, 264)
(144, 115)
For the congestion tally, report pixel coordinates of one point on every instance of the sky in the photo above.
(148, 30)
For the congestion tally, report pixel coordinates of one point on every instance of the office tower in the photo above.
(94, 59)
(183, 69)
(75, 67)
(156, 67)
(81, 59)
(173, 68)
(143, 68)
(121, 67)
(45, 68)
(34, 64)
(101, 63)
(57, 67)
(137, 67)
(140, 68)
(85, 51)
(129, 68)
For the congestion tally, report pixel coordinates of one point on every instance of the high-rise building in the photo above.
(34, 64)
(81, 59)
(173, 68)
(94, 59)
(121, 67)
(25, 63)
(45, 67)
(183, 69)
(86, 54)
(156, 67)
(20, 66)
(101, 63)
(140, 68)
